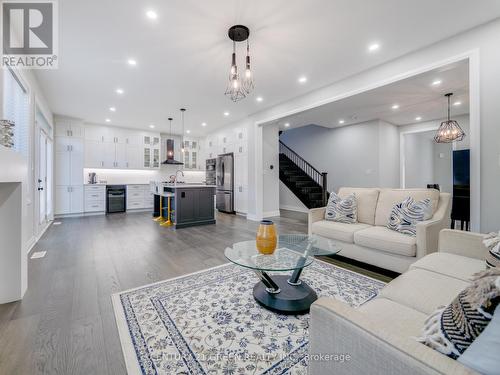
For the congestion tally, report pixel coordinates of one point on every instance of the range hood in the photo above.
(170, 154)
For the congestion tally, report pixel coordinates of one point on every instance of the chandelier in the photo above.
(449, 130)
(238, 88)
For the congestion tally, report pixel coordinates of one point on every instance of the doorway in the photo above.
(43, 177)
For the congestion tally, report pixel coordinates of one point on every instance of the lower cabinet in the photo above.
(95, 198)
(69, 200)
(139, 197)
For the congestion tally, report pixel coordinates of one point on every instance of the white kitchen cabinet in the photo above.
(139, 197)
(241, 182)
(133, 157)
(69, 161)
(151, 151)
(95, 198)
(68, 128)
(69, 200)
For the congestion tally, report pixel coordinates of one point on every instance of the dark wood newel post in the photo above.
(325, 188)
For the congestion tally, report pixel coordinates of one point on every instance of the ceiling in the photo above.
(183, 56)
(420, 96)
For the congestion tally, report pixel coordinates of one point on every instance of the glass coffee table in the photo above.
(286, 294)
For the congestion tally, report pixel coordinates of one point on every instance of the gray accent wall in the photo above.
(362, 155)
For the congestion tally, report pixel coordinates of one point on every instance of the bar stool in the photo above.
(168, 222)
(160, 219)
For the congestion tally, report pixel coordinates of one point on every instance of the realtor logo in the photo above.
(29, 34)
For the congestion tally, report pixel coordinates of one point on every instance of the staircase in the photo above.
(305, 181)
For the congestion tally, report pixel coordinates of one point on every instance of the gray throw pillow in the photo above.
(342, 210)
(406, 214)
(452, 329)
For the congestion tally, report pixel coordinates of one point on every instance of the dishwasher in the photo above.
(116, 198)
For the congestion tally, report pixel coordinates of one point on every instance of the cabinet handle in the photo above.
(102, 164)
(71, 132)
(95, 206)
(67, 148)
(127, 164)
(102, 138)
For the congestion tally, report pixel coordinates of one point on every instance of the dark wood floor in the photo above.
(65, 324)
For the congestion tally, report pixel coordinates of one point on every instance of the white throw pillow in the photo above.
(406, 214)
(342, 210)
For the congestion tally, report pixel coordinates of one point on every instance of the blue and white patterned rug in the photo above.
(209, 323)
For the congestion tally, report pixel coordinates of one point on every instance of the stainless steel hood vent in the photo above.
(170, 154)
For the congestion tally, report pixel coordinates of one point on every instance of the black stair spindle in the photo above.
(302, 178)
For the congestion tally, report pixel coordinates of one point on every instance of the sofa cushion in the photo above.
(389, 197)
(337, 231)
(452, 265)
(398, 318)
(423, 290)
(384, 239)
(367, 202)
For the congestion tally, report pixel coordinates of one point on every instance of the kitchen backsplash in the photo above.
(124, 176)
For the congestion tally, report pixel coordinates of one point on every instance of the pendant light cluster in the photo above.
(238, 88)
(183, 110)
(449, 130)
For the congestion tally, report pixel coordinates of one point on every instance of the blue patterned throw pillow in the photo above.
(405, 215)
(342, 210)
(452, 329)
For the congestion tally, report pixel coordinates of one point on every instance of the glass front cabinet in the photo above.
(191, 155)
(151, 147)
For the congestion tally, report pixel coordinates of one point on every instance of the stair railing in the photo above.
(319, 177)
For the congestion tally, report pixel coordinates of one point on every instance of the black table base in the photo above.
(288, 299)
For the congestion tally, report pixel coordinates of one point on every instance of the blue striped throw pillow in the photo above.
(342, 210)
(406, 214)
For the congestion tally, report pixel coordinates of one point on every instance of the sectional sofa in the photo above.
(370, 241)
(379, 336)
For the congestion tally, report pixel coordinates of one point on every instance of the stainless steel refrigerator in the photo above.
(225, 183)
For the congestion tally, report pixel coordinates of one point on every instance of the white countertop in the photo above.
(181, 186)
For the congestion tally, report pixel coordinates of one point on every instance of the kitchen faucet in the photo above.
(177, 172)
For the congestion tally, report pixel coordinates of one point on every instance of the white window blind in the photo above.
(16, 109)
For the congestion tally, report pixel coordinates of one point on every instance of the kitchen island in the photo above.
(190, 204)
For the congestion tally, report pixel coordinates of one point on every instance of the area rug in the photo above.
(209, 323)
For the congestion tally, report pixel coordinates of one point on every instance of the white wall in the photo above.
(270, 166)
(362, 155)
(419, 160)
(289, 201)
(443, 166)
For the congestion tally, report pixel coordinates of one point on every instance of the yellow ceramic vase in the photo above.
(266, 237)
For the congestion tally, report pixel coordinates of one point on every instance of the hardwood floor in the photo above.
(65, 324)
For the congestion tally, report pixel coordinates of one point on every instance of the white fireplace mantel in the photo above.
(13, 257)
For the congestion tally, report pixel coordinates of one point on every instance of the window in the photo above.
(16, 109)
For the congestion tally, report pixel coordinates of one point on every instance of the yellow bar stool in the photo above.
(160, 219)
(168, 223)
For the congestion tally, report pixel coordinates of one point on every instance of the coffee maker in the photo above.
(92, 178)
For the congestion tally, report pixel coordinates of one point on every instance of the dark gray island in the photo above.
(190, 204)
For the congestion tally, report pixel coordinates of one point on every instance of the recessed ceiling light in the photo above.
(152, 126)
(132, 62)
(395, 106)
(341, 122)
(108, 120)
(203, 124)
(373, 47)
(437, 82)
(287, 124)
(119, 91)
(259, 98)
(188, 131)
(302, 79)
(418, 118)
(457, 103)
(112, 109)
(226, 114)
(151, 14)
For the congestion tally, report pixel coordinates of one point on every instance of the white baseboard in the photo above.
(252, 217)
(272, 213)
(33, 241)
(294, 208)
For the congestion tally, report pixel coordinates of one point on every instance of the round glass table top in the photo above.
(293, 251)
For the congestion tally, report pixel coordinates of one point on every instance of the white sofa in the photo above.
(370, 241)
(379, 336)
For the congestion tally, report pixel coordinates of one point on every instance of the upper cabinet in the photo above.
(193, 158)
(69, 128)
(109, 147)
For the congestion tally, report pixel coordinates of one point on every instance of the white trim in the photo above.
(293, 208)
(34, 240)
(272, 213)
